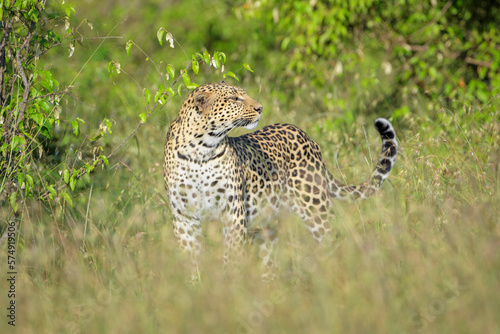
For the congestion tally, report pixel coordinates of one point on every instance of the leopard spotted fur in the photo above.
(210, 176)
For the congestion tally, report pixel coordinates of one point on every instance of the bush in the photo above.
(30, 99)
(443, 52)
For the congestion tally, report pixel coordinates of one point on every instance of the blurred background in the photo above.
(322, 65)
(420, 257)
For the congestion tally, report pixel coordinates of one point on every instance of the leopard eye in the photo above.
(236, 98)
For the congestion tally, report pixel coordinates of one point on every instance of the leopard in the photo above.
(213, 177)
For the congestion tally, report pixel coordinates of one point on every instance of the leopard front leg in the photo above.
(189, 235)
(235, 230)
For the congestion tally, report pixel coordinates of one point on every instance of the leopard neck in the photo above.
(197, 145)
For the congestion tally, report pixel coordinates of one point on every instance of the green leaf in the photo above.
(159, 35)
(197, 54)
(29, 180)
(13, 202)
(222, 57)
(187, 81)
(219, 59)
(45, 105)
(170, 91)
(74, 125)
(52, 191)
(37, 117)
(17, 141)
(193, 85)
(80, 120)
(3, 148)
(89, 168)
(171, 71)
(186, 78)
(158, 95)
(128, 46)
(195, 66)
(72, 182)
(232, 75)
(147, 94)
(179, 90)
(108, 124)
(66, 175)
(20, 179)
(96, 137)
(143, 117)
(216, 60)
(206, 57)
(245, 65)
(104, 159)
(67, 198)
(111, 66)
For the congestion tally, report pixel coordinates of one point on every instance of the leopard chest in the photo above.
(200, 190)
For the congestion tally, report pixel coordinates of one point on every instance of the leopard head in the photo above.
(212, 110)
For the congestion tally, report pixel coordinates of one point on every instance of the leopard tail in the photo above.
(384, 167)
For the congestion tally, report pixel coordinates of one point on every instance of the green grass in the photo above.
(420, 256)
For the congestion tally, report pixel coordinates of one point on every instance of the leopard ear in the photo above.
(201, 101)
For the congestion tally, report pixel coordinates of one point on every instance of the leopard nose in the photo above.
(258, 109)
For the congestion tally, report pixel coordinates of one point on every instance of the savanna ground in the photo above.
(422, 256)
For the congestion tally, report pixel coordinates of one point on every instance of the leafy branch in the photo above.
(31, 114)
(163, 95)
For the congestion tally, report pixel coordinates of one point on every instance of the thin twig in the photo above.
(140, 124)
(93, 53)
(152, 62)
(64, 92)
(77, 39)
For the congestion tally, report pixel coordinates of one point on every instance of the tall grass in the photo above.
(421, 256)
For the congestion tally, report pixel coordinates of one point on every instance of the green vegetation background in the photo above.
(422, 256)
